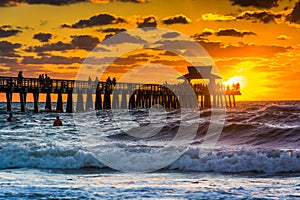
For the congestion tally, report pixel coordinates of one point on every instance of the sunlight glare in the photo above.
(237, 79)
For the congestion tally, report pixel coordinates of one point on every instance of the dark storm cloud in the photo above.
(147, 22)
(8, 49)
(255, 3)
(85, 42)
(51, 60)
(259, 16)
(108, 36)
(6, 31)
(42, 37)
(123, 37)
(203, 35)
(233, 33)
(294, 16)
(112, 30)
(177, 19)
(58, 46)
(8, 61)
(97, 20)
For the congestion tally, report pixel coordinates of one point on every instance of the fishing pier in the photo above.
(108, 95)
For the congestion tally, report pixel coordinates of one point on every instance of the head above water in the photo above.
(57, 117)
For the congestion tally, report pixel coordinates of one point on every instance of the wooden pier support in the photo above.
(59, 103)
(175, 102)
(69, 108)
(214, 100)
(138, 100)
(48, 105)
(124, 104)
(221, 101)
(36, 102)
(115, 100)
(79, 106)
(89, 100)
(132, 101)
(98, 100)
(23, 101)
(225, 100)
(207, 101)
(233, 100)
(8, 101)
(107, 101)
(229, 100)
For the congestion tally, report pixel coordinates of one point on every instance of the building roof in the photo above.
(199, 72)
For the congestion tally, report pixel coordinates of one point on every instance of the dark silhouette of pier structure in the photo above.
(107, 95)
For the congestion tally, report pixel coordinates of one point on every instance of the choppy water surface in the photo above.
(257, 155)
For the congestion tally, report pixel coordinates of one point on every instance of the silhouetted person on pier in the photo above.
(114, 81)
(57, 122)
(41, 79)
(20, 77)
(48, 82)
(108, 83)
(96, 80)
(90, 81)
(10, 118)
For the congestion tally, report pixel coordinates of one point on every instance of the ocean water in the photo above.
(257, 154)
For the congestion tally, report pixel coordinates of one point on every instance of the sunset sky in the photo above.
(254, 42)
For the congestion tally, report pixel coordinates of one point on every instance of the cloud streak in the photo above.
(234, 33)
(97, 20)
(294, 16)
(5, 31)
(51, 60)
(259, 16)
(177, 19)
(42, 37)
(85, 42)
(147, 22)
(8, 49)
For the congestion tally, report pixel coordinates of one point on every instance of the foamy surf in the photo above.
(225, 160)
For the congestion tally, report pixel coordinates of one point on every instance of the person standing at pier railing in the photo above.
(20, 78)
(108, 84)
(90, 82)
(114, 82)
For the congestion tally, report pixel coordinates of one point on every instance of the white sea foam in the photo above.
(202, 160)
(53, 157)
(239, 160)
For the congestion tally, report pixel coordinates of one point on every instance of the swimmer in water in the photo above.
(57, 122)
